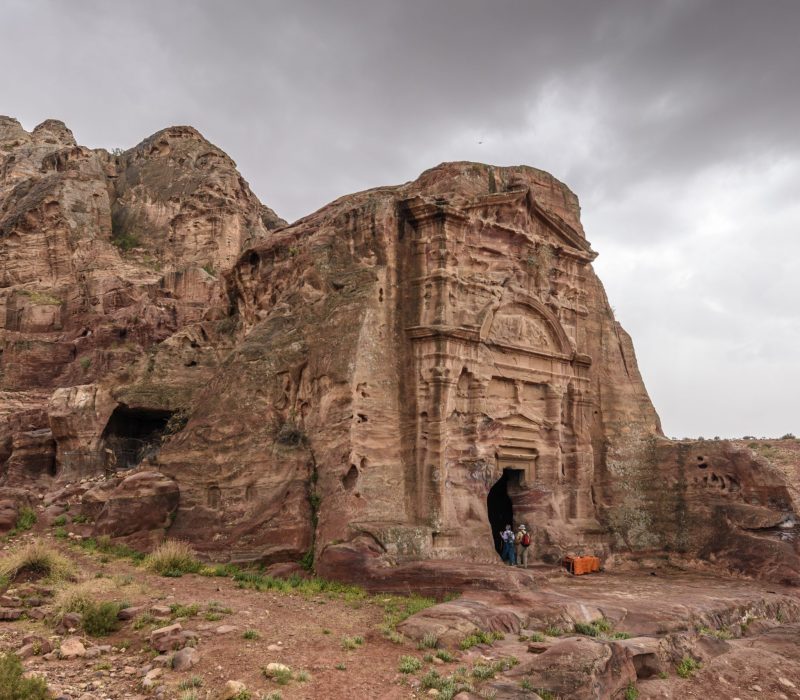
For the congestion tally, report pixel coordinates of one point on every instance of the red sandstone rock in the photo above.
(376, 385)
(140, 504)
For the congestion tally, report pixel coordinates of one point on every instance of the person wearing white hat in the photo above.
(522, 542)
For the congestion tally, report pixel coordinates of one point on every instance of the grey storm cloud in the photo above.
(675, 121)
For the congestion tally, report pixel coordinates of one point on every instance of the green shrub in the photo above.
(350, 643)
(126, 241)
(144, 620)
(409, 664)
(598, 628)
(483, 671)
(480, 637)
(281, 676)
(428, 641)
(173, 558)
(631, 691)
(13, 686)
(60, 521)
(251, 634)
(687, 667)
(193, 682)
(100, 619)
(179, 610)
(445, 656)
(448, 686)
(25, 520)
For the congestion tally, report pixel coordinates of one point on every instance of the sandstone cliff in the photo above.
(382, 383)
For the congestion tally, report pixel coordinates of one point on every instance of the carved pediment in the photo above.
(525, 323)
(516, 326)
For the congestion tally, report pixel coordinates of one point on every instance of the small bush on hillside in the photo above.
(409, 664)
(39, 560)
(13, 686)
(429, 641)
(594, 629)
(179, 610)
(126, 241)
(25, 521)
(687, 667)
(352, 642)
(100, 619)
(173, 558)
(480, 637)
(193, 682)
(80, 596)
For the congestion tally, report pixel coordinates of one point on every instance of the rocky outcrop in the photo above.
(140, 508)
(110, 289)
(378, 387)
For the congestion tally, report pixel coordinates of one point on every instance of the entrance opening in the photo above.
(499, 505)
(134, 434)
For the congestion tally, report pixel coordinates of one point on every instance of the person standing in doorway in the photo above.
(522, 542)
(508, 555)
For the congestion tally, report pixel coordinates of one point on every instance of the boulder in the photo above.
(72, 648)
(69, 621)
(140, 503)
(171, 637)
(185, 658)
(274, 669)
(9, 512)
(131, 612)
(577, 668)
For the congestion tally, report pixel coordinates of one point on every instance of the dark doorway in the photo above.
(500, 508)
(134, 434)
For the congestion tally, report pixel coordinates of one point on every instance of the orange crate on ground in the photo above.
(581, 565)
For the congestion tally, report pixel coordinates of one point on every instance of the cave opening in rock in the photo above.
(500, 506)
(134, 434)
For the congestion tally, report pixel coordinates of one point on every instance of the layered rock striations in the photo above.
(378, 386)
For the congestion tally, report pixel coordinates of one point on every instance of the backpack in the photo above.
(526, 540)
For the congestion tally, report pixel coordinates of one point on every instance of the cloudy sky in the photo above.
(677, 122)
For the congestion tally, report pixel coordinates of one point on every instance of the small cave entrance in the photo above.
(134, 434)
(500, 506)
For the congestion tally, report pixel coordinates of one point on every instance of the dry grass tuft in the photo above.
(81, 596)
(39, 560)
(173, 558)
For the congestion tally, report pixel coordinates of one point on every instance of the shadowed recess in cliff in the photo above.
(134, 434)
(500, 506)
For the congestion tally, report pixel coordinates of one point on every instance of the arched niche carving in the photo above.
(525, 322)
